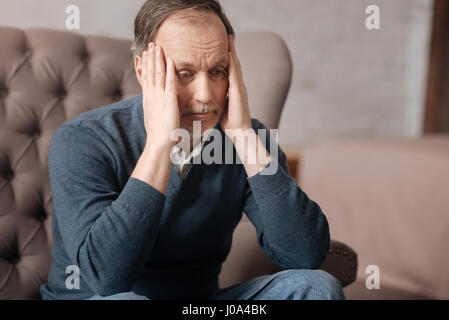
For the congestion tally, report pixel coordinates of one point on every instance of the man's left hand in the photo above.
(236, 120)
(236, 115)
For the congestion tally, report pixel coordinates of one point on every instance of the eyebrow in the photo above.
(222, 61)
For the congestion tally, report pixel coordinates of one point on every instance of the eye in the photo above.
(184, 75)
(219, 72)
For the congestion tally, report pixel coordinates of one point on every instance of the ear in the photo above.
(138, 68)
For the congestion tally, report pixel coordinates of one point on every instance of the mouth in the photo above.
(198, 115)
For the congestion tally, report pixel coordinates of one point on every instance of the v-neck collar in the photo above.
(175, 180)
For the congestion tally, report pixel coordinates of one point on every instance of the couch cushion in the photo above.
(389, 199)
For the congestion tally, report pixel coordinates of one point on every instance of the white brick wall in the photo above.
(347, 81)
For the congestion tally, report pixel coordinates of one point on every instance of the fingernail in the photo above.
(158, 49)
(150, 47)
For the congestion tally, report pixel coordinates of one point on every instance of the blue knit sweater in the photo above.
(124, 235)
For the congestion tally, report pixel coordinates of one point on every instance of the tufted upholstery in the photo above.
(48, 77)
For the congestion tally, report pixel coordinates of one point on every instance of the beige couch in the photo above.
(48, 77)
(388, 198)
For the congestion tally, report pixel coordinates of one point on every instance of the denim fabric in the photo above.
(294, 284)
(284, 285)
(120, 296)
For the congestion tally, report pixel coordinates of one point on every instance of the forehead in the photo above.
(194, 37)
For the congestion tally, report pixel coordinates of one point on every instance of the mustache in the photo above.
(199, 108)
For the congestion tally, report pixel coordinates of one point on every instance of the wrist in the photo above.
(240, 133)
(153, 166)
(160, 145)
(157, 148)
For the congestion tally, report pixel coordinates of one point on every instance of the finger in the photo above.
(170, 77)
(150, 67)
(238, 67)
(234, 51)
(143, 67)
(159, 78)
(233, 75)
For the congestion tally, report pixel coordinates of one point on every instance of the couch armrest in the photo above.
(341, 262)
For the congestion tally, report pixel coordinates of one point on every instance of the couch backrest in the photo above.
(48, 77)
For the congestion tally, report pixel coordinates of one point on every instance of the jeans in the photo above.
(293, 284)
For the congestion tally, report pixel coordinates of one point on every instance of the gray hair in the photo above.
(154, 12)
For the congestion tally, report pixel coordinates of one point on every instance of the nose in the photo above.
(202, 89)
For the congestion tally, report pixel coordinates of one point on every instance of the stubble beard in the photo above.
(206, 124)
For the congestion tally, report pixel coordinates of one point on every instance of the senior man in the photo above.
(132, 224)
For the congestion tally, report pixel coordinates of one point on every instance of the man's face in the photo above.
(197, 42)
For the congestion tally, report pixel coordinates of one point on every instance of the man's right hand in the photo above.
(161, 118)
(160, 103)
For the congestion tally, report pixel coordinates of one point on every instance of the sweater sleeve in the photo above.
(108, 233)
(291, 228)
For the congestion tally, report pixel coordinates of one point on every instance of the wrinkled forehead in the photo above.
(191, 36)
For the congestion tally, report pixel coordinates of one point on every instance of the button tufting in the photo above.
(62, 93)
(3, 91)
(117, 95)
(14, 258)
(37, 131)
(85, 57)
(26, 50)
(41, 215)
(7, 174)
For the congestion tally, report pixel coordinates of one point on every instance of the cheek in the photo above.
(183, 95)
(220, 91)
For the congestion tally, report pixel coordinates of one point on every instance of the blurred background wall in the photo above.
(347, 80)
